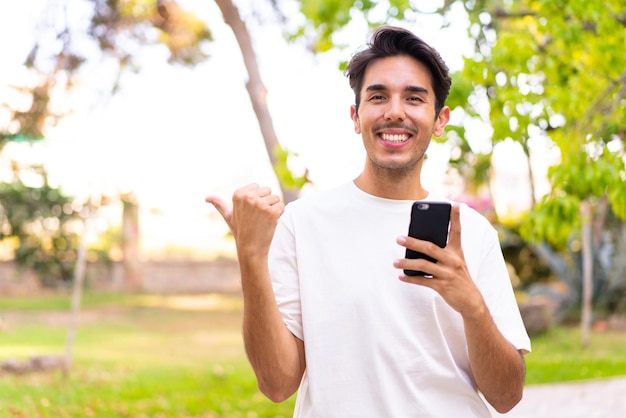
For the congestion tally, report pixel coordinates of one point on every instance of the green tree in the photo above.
(43, 223)
(555, 70)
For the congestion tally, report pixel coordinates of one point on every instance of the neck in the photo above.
(392, 184)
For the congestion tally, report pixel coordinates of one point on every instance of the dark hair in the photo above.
(389, 41)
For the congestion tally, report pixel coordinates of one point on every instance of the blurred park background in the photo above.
(119, 287)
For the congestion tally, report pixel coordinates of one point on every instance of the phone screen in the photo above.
(429, 222)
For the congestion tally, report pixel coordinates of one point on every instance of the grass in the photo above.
(171, 356)
(559, 356)
(139, 356)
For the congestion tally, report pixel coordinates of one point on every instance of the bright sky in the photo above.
(175, 135)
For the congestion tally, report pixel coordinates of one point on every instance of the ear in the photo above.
(355, 118)
(442, 120)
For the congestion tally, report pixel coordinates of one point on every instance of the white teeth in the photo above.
(394, 138)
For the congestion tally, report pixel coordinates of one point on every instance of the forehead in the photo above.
(397, 72)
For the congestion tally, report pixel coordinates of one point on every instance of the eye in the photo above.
(416, 99)
(377, 97)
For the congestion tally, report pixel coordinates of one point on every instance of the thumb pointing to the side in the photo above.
(222, 208)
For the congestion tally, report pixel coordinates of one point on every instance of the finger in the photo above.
(426, 281)
(422, 246)
(252, 192)
(221, 206)
(455, 227)
(261, 194)
(217, 202)
(422, 263)
(272, 199)
(278, 208)
(416, 264)
(264, 191)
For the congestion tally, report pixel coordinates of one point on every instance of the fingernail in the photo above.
(401, 239)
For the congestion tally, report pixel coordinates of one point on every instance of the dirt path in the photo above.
(588, 399)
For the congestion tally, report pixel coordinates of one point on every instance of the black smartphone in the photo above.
(430, 221)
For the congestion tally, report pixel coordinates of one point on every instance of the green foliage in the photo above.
(42, 223)
(324, 18)
(617, 197)
(554, 219)
(115, 22)
(584, 175)
(554, 70)
(284, 174)
(580, 176)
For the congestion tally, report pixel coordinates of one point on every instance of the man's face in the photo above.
(396, 116)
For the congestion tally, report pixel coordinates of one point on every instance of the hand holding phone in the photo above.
(430, 221)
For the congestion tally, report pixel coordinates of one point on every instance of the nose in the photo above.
(395, 110)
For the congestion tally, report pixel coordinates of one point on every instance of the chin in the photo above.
(399, 167)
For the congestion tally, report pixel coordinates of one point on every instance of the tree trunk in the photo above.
(133, 273)
(531, 177)
(255, 87)
(77, 292)
(587, 253)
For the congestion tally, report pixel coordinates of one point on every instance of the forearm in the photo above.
(276, 356)
(498, 368)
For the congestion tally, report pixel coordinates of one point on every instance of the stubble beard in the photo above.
(395, 172)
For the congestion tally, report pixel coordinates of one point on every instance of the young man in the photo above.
(328, 311)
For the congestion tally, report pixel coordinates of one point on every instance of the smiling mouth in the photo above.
(395, 137)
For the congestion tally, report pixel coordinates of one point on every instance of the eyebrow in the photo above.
(381, 87)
